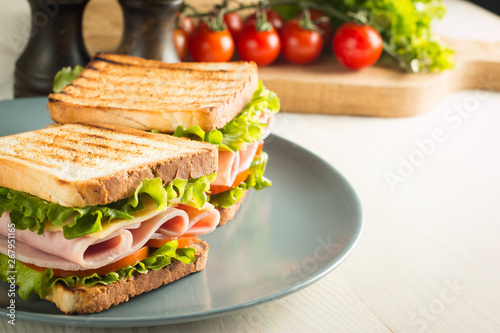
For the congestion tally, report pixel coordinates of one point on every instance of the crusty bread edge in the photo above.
(99, 297)
(164, 122)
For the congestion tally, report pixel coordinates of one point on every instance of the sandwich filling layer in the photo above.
(157, 215)
(52, 250)
(240, 143)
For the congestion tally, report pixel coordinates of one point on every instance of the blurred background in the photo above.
(491, 5)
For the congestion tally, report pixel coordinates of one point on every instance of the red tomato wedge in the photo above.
(183, 241)
(132, 259)
(241, 177)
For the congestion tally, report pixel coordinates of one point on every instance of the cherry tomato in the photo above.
(180, 43)
(273, 17)
(185, 24)
(206, 45)
(357, 46)
(300, 45)
(325, 25)
(262, 47)
(234, 24)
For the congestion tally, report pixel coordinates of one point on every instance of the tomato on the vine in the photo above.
(180, 43)
(357, 46)
(273, 17)
(324, 24)
(185, 24)
(207, 45)
(234, 23)
(262, 47)
(300, 45)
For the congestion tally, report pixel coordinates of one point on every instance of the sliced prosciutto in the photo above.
(53, 250)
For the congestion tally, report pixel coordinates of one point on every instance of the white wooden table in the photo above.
(428, 259)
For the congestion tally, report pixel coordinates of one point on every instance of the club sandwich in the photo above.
(91, 215)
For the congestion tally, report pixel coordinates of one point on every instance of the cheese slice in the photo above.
(149, 211)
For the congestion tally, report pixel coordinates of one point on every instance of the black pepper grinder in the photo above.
(56, 41)
(148, 29)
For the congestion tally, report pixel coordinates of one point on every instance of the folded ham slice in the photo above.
(232, 163)
(53, 250)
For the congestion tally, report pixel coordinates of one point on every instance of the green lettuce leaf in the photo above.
(255, 180)
(33, 281)
(65, 76)
(27, 279)
(245, 128)
(405, 26)
(30, 212)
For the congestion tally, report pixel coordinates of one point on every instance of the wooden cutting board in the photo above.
(381, 90)
(327, 87)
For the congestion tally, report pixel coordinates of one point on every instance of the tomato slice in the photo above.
(259, 151)
(184, 241)
(132, 259)
(241, 177)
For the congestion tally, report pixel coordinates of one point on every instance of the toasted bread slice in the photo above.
(78, 165)
(148, 94)
(81, 299)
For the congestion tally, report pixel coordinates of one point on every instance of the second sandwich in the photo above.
(221, 103)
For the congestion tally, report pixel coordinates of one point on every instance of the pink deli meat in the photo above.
(53, 250)
(232, 163)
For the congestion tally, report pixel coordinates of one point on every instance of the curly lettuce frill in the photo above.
(245, 128)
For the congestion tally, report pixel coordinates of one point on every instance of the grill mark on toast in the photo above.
(79, 149)
(98, 57)
(59, 153)
(93, 84)
(24, 158)
(82, 140)
(158, 107)
(86, 77)
(160, 65)
(154, 98)
(228, 84)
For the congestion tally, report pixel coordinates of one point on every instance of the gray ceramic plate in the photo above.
(283, 239)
